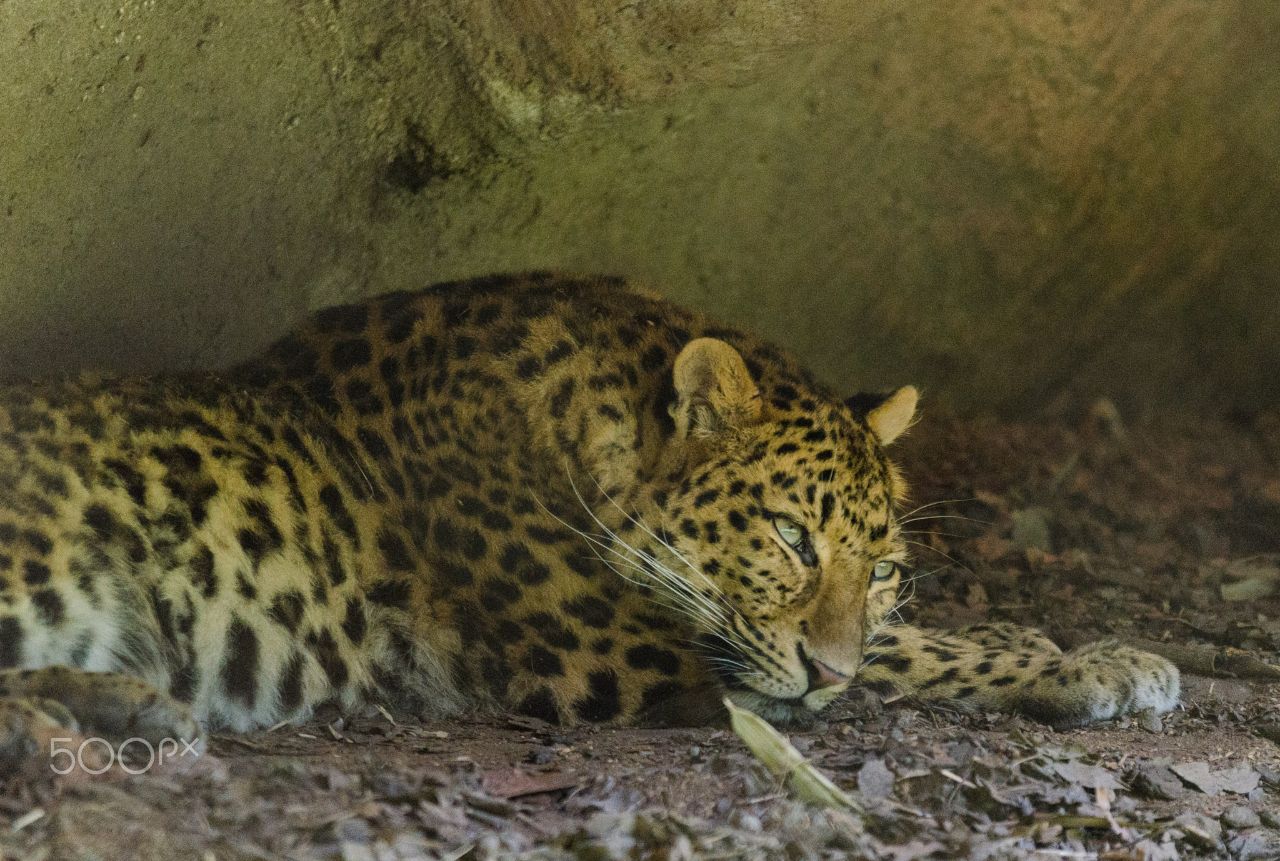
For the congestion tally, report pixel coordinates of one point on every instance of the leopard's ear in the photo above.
(714, 389)
(888, 414)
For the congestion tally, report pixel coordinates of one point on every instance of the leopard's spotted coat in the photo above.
(551, 496)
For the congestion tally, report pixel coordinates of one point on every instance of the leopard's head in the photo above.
(777, 536)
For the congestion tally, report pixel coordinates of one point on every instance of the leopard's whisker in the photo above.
(722, 599)
(941, 553)
(710, 583)
(700, 608)
(678, 589)
(692, 614)
(695, 605)
(674, 605)
(933, 532)
(903, 521)
(892, 616)
(739, 668)
(742, 669)
(920, 508)
(687, 591)
(920, 575)
(743, 661)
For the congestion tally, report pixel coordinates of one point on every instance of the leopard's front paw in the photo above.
(1101, 681)
(113, 705)
(28, 729)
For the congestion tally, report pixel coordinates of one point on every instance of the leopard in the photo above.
(559, 497)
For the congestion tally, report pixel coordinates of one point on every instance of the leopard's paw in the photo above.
(113, 705)
(1101, 681)
(28, 728)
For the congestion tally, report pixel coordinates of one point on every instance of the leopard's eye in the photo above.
(798, 538)
(790, 531)
(884, 570)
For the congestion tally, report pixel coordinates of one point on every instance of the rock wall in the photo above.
(1017, 205)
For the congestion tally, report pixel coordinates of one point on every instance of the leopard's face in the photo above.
(775, 535)
(789, 553)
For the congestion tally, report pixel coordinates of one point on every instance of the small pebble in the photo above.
(390, 787)
(1200, 829)
(1240, 817)
(1157, 781)
(1150, 721)
(488, 847)
(541, 756)
(1254, 844)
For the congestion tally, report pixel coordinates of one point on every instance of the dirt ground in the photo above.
(1166, 532)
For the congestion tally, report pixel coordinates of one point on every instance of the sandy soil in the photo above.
(1084, 527)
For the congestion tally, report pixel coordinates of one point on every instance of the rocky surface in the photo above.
(1004, 202)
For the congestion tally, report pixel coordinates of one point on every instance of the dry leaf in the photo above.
(785, 762)
(1251, 579)
(516, 782)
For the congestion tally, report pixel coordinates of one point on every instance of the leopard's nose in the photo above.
(821, 675)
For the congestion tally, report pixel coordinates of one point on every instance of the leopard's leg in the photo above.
(27, 727)
(1096, 682)
(113, 706)
(1006, 635)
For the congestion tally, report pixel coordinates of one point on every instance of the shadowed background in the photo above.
(1021, 206)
